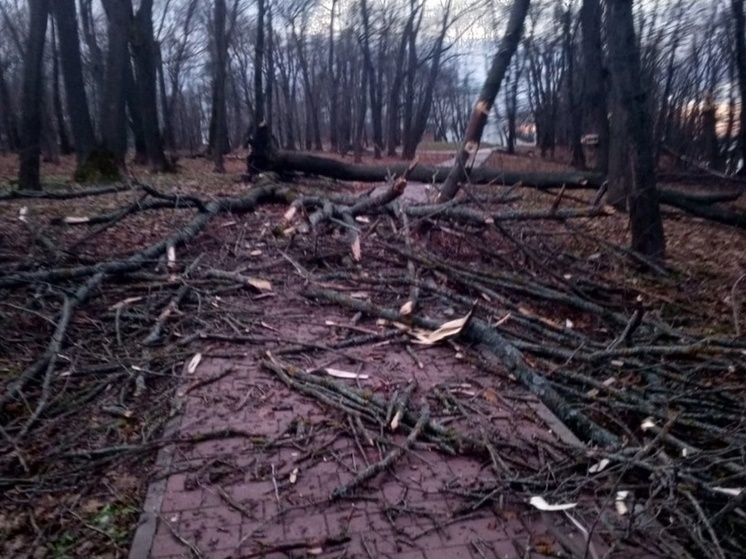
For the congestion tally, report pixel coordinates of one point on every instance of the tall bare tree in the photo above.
(739, 29)
(624, 59)
(29, 176)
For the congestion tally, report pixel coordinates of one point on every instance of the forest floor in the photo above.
(264, 364)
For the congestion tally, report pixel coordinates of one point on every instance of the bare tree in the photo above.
(624, 57)
(31, 110)
(739, 29)
(144, 54)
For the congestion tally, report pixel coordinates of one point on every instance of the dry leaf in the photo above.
(447, 330)
(290, 214)
(648, 424)
(315, 550)
(338, 373)
(600, 467)
(75, 220)
(255, 253)
(732, 491)
(362, 219)
(171, 256)
(293, 476)
(407, 308)
(539, 503)
(125, 302)
(396, 420)
(194, 363)
(356, 251)
(490, 395)
(22, 213)
(259, 284)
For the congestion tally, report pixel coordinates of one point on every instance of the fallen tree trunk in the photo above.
(289, 162)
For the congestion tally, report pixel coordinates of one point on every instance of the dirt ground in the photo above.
(256, 443)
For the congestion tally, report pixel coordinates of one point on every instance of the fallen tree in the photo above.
(267, 159)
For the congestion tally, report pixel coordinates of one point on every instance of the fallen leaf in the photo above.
(732, 491)
(290, 214)
(599, 467)
(22, 213)
(194, 363)
(75, 220)
(446, 330)
(356, 250)
(539, 503)
(338, 373)
(171, 256)
(490, 395)
(395, 421)
(260, 284)
(293, 476)
(406, 308)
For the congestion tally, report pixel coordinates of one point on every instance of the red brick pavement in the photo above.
(232, 498)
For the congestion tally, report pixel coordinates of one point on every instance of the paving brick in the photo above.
(307, 527)
(166, 545)
(457, 552)
(182, 500)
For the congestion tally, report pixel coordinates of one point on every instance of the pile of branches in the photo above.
(660, 408)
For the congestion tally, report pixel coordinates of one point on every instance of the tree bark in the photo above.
(739, 20)
(487, 95)
(624, 56)
(333, 84)
(12, 135)
(144, 51)
(72, 73)
(220, 55)
(113, 119)
(59, 114)
(594, 79)
(375, 102)
(423, 113)
(259, 65)
(29, 177)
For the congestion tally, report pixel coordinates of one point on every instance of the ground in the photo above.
(203, 384)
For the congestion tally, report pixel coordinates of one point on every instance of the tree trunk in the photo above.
(220, 126)
(269, 87)
(72, 72)
(375, 102)
(333, 85)
(145, 53)
(118, 69)
(619, 162)
(594, 80)
(645, 218)
(97, 58)
(578, 156)
(9, 121)
(31, 110)
(739, 21)
(423, 113)
(259, 65)
(487, 95)
(134, 110)
(711, 147)
(59, 113)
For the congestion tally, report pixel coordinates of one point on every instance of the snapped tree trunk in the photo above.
(72, 73)
(624, 57)
(31, 109)
(487, 95)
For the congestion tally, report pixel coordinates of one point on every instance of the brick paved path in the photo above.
(234, 498)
